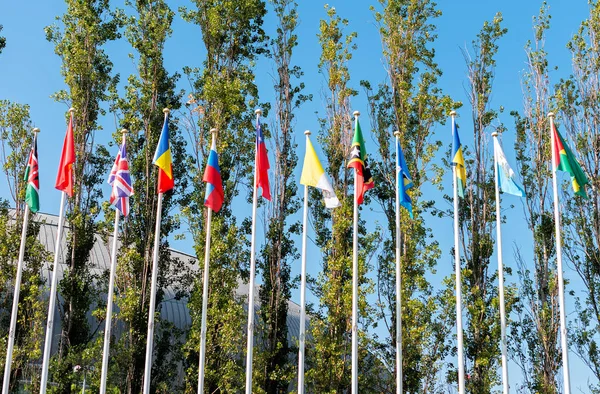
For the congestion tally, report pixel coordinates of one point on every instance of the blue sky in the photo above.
(30, 73)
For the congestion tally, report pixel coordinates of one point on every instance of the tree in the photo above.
(535, 333)
(2, 41)
(223, 94)
(409, 101)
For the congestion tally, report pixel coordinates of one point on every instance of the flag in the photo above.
(64, 179)
(162, 159)
(214, 185)
(32, 197)
(262, 164)
(120, 181)
(358, 161)
(506, 175)
(404, 181)
(565, 161)
(459, 162)
(314, 175)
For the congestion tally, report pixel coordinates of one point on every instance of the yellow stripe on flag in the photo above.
(312, 171)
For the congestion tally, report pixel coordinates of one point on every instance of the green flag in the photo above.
(565, 161)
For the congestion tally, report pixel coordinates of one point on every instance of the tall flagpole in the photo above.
(152, 307)
(559, 269)
(500, 275)
(398, 280)
(303, 289)
(15, 305)
(53, 290)
(205, 290)
(250, 347)
(459, 328)
(355, 282)
(109, 300)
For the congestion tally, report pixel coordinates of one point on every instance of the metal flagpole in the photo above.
(205, 290)
(109, 300)
(398, 280)
(559, 269)
(52, 301)
(459, 328)
(152, 308)
(303, 290)
(355, 282)
(500, 275)
(250, 347)
(15, 305)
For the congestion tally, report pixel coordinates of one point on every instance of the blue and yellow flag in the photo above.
(458, 161)
(404, 181)
(162, 159)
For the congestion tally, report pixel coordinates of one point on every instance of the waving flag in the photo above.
(459, 162)
(214, 185)
(358, 161)
(404, 181)
(64, 179)
(506, 175)
(565, 161)
(32, 198)
(314, 175)
(120, 181)
(262, 163)
(162, 159)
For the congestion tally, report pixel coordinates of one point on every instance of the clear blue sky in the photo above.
(30, 73)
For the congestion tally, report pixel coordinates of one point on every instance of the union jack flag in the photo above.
(120, 181)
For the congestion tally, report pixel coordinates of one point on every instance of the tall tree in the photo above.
(535, 332)
(140, 110)
(477, 218)
(223, 95)
(328, 347)
(274, 368)
(410, 102)
(2, 41)
(86, 68)
(578, 111)
(16, 139)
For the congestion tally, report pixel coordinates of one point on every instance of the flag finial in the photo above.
(213, 131)
(124, 131)
(551, 114)
(71, 110)
(356, 113)
(166, 111)
(307, 132)
(397, 133)
(495, 134)
(453, 113)
(258, 112)
(36, 130)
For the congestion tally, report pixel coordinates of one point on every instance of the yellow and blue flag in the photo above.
(404, 181)
(458, 161)
(162, 159)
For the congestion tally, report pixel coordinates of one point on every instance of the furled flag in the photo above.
(214, 185)
(459, 162)
(262, 164)
(120, 181)
(64, 179)
(162, 159)
(506, 175)
(32, 197)
(358, 161)
(404, 181)
(565, 161)
(314, 175)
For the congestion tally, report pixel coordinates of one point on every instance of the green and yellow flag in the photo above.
(564, 160)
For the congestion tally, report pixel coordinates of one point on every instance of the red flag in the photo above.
(262, 163)
(64, 179)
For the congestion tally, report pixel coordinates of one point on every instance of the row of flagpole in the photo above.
(312, 175)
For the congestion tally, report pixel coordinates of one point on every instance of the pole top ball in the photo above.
(71, 110)
(258, 112)
(397, 133)
(551, 114)
(36, 130)
(356, 113)
(307, 132)
(213, 131)
(452, 113)
(166, 111)
(124, 131)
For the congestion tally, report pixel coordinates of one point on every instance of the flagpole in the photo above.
(53, 290)
(459, 328)
(15, 305)
(109, 300)
(398, 280)
(303, 289)
(500, 274)
(152, 307)
(355, 281)
(205, 289)
(559, 268)
(250, 346)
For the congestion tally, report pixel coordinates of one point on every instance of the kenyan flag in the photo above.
(32, 197)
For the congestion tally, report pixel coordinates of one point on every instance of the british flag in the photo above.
(120, 181)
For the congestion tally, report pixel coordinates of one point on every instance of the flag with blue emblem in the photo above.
(404, 181)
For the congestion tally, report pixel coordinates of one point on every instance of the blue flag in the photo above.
(404, 181)
(506, 176)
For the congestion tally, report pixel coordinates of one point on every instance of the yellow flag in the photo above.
(314, 175)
